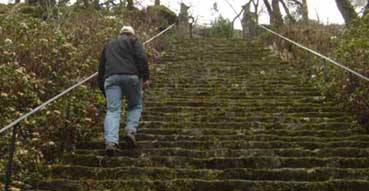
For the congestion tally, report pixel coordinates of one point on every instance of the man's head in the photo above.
(127, 30)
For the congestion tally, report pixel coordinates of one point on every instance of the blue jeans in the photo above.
(117, 87)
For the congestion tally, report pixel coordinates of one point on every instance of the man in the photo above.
(123, 63)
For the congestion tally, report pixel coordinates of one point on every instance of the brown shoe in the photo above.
(131, 140)
(111, 149)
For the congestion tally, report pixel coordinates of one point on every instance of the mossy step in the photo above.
(246, 114)
(251, 82)
(236, 86)
(183, 87)
(235, 89)
(148, 173)
(251, 75)
(236, 103)
(225, 117)
(234, 129)
(259, 162)
(230, 57)
(349, 152)
(251, 109)
(188, 129)
(230, 95)
(201, 185)
(260, 137)
(208, 102)
(218, 144)
(255, 98)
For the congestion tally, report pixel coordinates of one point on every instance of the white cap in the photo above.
(127, 29)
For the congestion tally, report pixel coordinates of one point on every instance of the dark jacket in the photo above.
(123, 55)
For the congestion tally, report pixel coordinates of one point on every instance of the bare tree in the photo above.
(274, 12)
(256, 4)
(287, 10)
(347, 10)
(302, 8)
(157, 2)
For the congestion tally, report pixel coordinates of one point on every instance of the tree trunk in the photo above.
(256, 8)
(97, 4)
(274, 13)
(305, 11)
(285, 7)
(366, 11)
(269, 9)
(347, 10)
(277, 15)
(157, 2)
(130, 5)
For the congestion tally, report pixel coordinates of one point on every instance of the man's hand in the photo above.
(146, 84)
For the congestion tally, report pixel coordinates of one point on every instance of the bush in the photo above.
(38, 60)
(221, 28)
(349, 46)
(353, 51)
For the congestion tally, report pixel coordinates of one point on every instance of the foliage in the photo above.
(349, 47)
(38, 60)
(353, 50)
(221, 27)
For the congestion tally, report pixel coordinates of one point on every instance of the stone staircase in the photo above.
(226, 115)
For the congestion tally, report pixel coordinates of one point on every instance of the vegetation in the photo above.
(220, 28)
(347, 45)
(40, 58)
(353, 50)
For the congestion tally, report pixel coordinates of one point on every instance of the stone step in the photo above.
(225, 117)
(241, 134)
(245, 113)
(251, 109)
(260, 137)
(217, 144)
(287, 103)
(238, 129)
(231, 86)
(148, 173)
(350, 152)
(259, 162)
(201, 185)
(220, 94)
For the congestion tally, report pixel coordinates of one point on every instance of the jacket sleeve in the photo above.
(101, 72)
(141, 60)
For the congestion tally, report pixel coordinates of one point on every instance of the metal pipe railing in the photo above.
(16, 122)
(316, 53)
(308, 49)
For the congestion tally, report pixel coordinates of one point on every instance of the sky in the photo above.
(325, 10)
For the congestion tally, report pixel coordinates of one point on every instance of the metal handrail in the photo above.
(317, 54)
(16, 122)
(309, 50)
(35, 110)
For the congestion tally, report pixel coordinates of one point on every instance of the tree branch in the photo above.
(297, 2)
(366, 11)
(287, 11)
(269, 7)
(347, 10)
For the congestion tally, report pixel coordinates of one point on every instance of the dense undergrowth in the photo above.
(41, 58)
(348, 45)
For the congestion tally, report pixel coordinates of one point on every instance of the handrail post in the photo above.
(9, 169)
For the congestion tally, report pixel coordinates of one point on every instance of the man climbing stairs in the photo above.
(226, 115)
